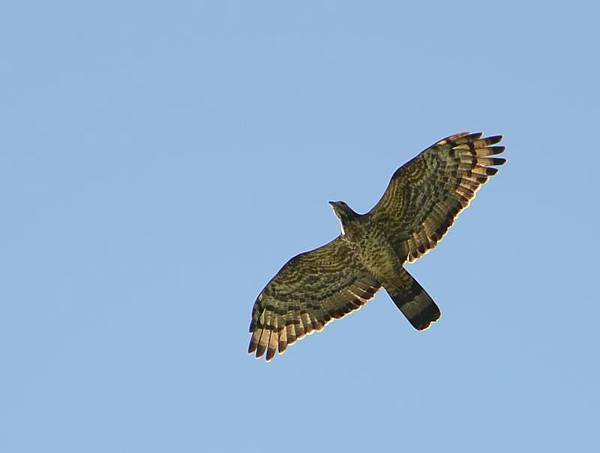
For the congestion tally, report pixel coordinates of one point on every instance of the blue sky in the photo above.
(162, 160)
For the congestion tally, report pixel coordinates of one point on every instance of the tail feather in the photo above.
(413, 301)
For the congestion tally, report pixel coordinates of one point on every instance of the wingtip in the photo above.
(492, 139)
(260, 350)
(251, 347)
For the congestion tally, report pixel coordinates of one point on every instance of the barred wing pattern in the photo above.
(426, 195)
(310, 291)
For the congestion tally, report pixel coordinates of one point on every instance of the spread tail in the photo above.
(412, 300)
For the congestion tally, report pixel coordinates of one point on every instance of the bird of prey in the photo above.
(421, 202)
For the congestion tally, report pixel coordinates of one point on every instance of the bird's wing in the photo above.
(426, 195)
(310, 290)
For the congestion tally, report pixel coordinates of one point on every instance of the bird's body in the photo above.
(368, 242)
(422, 201)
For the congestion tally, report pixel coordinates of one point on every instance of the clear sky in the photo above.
(160, 161)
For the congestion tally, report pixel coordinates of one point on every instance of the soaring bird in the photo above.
(421, 202)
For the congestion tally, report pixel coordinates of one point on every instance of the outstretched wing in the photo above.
(426, 195)
(306, 294)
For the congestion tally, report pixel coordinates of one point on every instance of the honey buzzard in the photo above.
(421, 202)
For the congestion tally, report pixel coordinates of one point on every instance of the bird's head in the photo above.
(343, 212)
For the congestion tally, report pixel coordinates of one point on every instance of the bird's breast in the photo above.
(377, 254)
